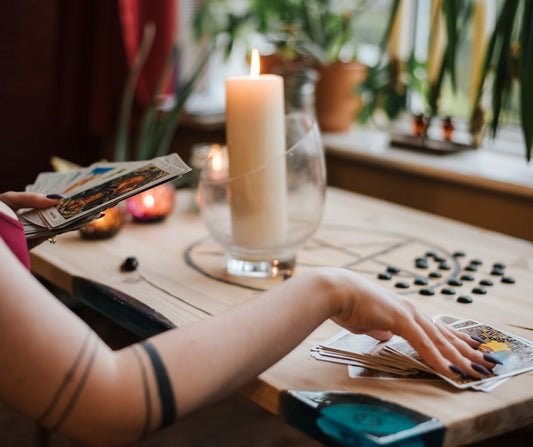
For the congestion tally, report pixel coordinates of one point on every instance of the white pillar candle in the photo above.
(255, 133)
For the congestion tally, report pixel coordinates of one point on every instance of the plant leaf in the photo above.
(121, 144)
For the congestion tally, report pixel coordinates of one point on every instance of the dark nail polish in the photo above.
(480, 369)
(476, 338)
(56, 196)
(490, 358)
(457, 370)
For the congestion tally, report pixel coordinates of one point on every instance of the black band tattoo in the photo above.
(147, 397)
(66, 379)
(164, 387)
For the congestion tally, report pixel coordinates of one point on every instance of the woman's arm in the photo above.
(56, 370)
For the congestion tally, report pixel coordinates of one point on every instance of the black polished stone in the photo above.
(479, 291)
(392, 269)
(454, 282)
(486, 282)
(384, 275)
(464, 299)
(497, 272)
(421, 281)
(471, 268)
(426, 291)
(508, 280)
(435, 275)
(130, 264)
(421, 264)
(476, 262)
(402, 285)
(439, 259)
(458, 254)
(431, 254)
(447, 291)
(467, 277)
(444, 266)
(498, 265)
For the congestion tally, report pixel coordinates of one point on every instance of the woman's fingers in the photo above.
(18, 200)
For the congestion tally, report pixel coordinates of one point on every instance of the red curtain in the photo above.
(98, 42)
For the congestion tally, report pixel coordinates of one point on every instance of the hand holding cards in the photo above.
(91, 190)
(398, 358)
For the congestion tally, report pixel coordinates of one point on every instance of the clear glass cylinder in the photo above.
(259, 230)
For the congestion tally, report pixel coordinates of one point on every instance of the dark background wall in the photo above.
(54, 57)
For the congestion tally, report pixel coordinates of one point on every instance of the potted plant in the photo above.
(304, 34)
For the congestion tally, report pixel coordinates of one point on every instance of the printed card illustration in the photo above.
(93, 189)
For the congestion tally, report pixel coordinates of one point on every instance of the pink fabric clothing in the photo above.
(12, 232)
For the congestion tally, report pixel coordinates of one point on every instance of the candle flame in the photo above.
(254, 65)
(217, 160)
(148, 201)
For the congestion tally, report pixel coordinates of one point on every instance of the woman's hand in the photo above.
(14, 201)
(365, 307)
(18, 200)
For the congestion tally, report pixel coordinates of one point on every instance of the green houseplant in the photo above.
(303, 35)
(507, 69)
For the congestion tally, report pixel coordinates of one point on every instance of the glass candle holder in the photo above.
(153, 204)
(261, 218)
(106, 226)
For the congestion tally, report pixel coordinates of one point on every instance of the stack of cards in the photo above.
(91, 190)
(397, 358)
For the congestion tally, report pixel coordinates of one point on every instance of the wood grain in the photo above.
(180, 275)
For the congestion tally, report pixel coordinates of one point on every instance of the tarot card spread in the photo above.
(395, 358)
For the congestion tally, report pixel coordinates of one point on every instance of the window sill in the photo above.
(485, 168)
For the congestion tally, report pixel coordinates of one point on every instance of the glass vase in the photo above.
(259, 230)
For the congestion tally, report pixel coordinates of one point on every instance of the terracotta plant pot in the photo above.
(337, 101)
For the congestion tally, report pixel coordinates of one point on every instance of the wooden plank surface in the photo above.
(180, 275)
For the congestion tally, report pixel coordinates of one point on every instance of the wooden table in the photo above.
(180, 278)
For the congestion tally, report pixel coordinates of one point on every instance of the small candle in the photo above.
(255, 131)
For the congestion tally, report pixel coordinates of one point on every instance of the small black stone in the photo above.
(426, 291)
(458, 254)
(486, 282)
(392, 269)
(447, 291)
(420, 259)
(130, 264)
(508, 280)
(455, 282)
(476, 262)
(498, 265)
(421, 264)
(496, 272)
(421, 281)
(431, 254)
(384, 276)
(479, 291)
(401, 285)
(435, 275)
(466, 277)
(471, 268)
(444, 266)
(464, 299)
(439, 259)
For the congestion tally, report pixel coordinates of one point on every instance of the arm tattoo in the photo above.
(147, 397)
(66, 379)
(61, 392)
(164, 387)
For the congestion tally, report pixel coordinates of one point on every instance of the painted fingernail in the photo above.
(476, 338)
(490, 358)
(457, 370)
(480, 369)
(56, 196)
